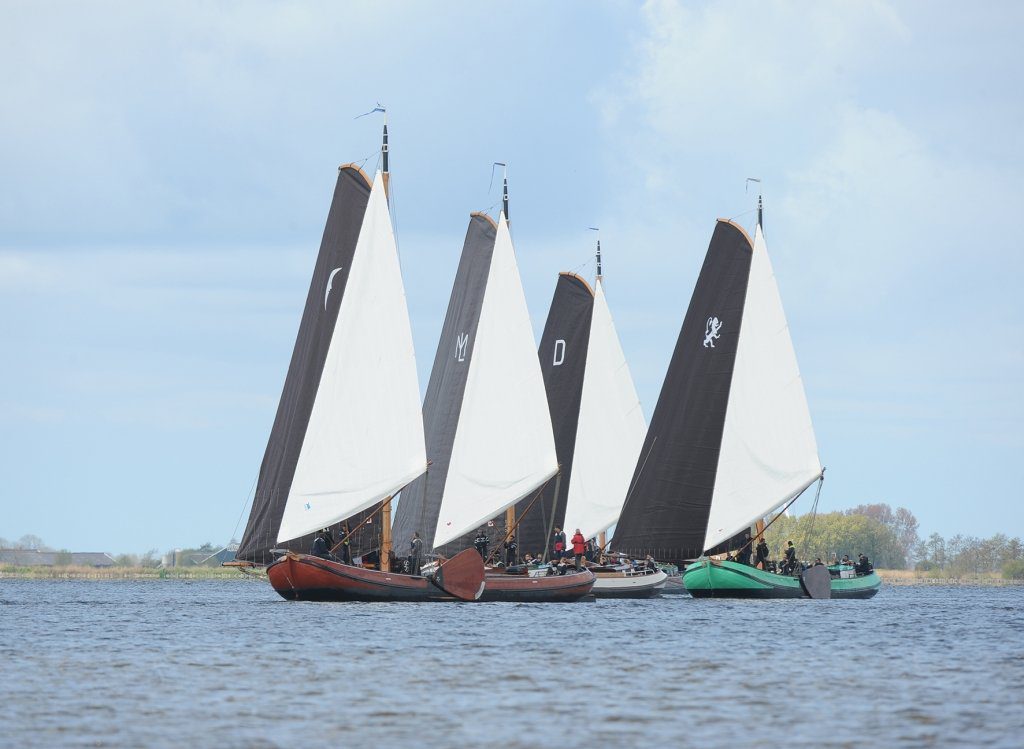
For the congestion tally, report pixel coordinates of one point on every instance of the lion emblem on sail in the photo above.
(711, 332)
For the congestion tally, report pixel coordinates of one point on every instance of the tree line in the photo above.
(889, 537)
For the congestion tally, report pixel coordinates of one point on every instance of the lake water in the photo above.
(229, 664)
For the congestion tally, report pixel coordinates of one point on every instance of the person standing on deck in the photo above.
(346, 548)
(762, 554)
(789, 562)
(511, 551)
(558, 544)
(579, 545)
(415, 553)
(481, 542)
(743, 553)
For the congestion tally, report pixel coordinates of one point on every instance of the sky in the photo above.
(167, 169)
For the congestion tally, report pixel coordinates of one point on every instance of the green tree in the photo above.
(1014, 569)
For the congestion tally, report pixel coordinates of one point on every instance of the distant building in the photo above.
(197, 558)
(36, 558)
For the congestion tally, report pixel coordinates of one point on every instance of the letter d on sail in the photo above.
(559, 352)
(460, 347)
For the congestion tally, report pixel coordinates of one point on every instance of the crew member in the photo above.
(346, 547)
(762, 554)
(481, 542)
(579, 545)
(511, 551)
(557, 544)
(789, 562)
(415, 553)
(743, 553)
(320, 546)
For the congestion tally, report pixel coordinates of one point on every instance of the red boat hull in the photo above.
(301, 577)
(550, 589)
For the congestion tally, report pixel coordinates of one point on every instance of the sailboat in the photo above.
(731, 439)
(599, 428)
(348, 432)
(488, 429)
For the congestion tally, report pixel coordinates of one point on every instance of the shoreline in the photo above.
(899, 578)
(14, 572)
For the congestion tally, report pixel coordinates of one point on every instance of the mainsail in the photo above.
(610, 432)
(489, 434)
(563, 352)
(420, 502)
(731, 437)
(348, 431)
(595, 412)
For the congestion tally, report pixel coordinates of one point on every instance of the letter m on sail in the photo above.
(460, 346)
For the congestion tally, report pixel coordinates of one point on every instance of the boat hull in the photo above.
(623, 585)
(714, 579)
(301, 577)
(548, 589)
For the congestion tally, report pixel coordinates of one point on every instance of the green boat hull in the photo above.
(713, 579)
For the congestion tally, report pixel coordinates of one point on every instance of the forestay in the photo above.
(364, 440)
(610, 431)
(503, 445)
(769, 453)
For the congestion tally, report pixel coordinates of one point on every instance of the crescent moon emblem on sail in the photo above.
(330, 282)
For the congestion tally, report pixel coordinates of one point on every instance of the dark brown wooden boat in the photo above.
(502, 586)
(301, 577)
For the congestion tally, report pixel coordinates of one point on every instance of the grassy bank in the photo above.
(72, 572)
(940, 577)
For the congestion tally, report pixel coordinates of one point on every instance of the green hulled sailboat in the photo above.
(711, 578)
(731, 440)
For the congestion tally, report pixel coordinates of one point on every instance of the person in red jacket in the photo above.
(579, 545)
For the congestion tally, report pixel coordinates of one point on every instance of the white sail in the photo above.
(365, 435)
(504, 447)
(610, 431)
(768, 454)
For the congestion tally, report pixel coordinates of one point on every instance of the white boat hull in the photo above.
(628, 584)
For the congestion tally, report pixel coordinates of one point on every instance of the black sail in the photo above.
(669, 500)
(563, 361)
(420, 502)
(344, 221)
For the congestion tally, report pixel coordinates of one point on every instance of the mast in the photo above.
(384, 156)
(504, 192)
(385, 514)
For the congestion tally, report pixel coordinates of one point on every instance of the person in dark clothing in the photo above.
(346, 544)
(557, 544)
(320, 546)
(511, 551)
(789, 561)
(762, 554)
(863, 566)
(481, 542)
(415, 553)
(590, 553)
(743, 553)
